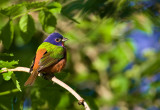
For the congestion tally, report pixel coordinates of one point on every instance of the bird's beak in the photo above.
(64, 39)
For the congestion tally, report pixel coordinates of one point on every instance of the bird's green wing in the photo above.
(51, 57)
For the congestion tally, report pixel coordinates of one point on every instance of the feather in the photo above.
(31, 78)
(51, 58)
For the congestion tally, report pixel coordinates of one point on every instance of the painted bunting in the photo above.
(50, 57)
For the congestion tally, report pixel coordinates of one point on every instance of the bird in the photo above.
(50, 58)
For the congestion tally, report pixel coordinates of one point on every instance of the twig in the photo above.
(79, 98)
(22, 69)
(59, 82)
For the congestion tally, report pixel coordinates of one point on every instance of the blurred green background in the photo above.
(113, 53)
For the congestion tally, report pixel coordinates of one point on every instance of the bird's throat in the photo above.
(63, 44)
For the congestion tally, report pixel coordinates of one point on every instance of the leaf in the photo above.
(7, 64)
(48, 21)
(30, 5)
(15, 81)
(23, 23)
(41, 17)
(7, 75)
(71, 18)
(67, 10)
(7, 34)
(17, 9)
(70, 8)
(54, 7)
(13, 10)
(27, 27)
(142, 22)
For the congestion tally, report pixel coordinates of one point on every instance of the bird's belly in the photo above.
(55, 68)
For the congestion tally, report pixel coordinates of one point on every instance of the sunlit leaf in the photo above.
(7, 75)
(7, 34)
(16, 82)
(27, 27)
(54, 7)
(17, 9)
(13, 10)
(23, 23)
(8, 64)
(30, 5)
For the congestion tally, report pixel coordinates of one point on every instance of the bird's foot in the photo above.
(47, 76)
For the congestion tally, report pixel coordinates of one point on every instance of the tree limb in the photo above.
(59, 82)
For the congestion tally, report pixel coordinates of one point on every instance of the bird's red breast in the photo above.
(55, 68)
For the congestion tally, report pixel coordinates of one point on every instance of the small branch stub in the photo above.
(81, 101)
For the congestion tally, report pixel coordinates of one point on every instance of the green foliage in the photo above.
(7, 75)
(27, 27)
(7, 33)
(54, 7)
(13, 96)
(139, 23)
(10, 75)
(12, 10)
(116, 85)
(16, 82)
(17, 9)
(47, 18)
(7, 64)
(52, 99)
(48, 21)
(30, 5)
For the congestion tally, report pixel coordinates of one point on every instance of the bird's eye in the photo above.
(57, 40)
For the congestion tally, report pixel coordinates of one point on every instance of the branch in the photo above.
(59, 82)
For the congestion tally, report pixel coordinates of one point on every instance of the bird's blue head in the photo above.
(56, 39)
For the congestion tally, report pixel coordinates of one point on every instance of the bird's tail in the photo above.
(31, 78)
